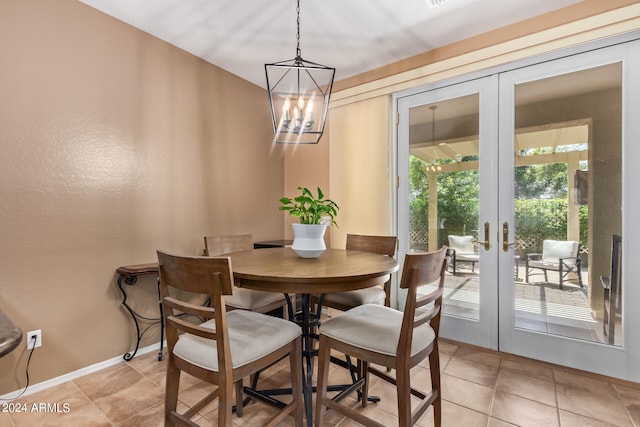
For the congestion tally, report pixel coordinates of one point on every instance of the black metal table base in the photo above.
(131, 279)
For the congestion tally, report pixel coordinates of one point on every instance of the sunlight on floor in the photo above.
(539, 306)
(555, 310)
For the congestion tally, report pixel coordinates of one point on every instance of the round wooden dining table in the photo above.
(282, 270)
(336, 270)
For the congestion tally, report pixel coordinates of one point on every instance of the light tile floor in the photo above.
(479, 388)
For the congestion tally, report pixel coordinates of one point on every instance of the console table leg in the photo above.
(130, 280)
(129, 275)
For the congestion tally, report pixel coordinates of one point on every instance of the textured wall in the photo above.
(114, 144)
(360, 168)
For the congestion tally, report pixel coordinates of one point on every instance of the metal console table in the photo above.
(129, 275)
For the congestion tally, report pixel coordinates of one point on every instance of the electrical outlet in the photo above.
(38, 335)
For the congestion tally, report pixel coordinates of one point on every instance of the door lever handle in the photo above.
(486, 242)
(505, 237)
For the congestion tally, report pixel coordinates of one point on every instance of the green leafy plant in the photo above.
(310, 208)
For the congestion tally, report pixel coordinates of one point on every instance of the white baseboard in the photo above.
(34, 388)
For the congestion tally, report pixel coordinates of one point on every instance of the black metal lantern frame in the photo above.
(299, 94)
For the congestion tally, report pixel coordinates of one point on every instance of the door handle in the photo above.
(486, 243)
(505, 237)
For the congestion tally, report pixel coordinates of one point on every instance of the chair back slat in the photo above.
(190, 328)
(218, 245)
(384, 245)
(201, 311)
(421, 269)
(196, 274)
(425, 315)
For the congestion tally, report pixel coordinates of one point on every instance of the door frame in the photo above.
(625, 362)
(484, 330)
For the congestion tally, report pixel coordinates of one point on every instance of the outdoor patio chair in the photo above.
(562, 256)
(462, 249)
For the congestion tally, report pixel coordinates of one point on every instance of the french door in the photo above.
(448, 158)
(524, 174)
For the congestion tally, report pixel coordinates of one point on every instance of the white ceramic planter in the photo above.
(308, 240)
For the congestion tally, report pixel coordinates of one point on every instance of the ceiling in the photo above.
(566, 136)
(561, 86)
(353, 36)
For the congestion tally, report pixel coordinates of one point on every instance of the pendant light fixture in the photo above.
(433, 109)
(299, 93)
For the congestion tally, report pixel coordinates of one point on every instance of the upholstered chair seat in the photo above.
(252, 336)
(363, 326)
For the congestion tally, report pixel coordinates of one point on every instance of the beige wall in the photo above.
(306, 165)
(353, 172)
(361, 168)
(114, 144)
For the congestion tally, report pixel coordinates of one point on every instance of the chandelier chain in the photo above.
(298, 50)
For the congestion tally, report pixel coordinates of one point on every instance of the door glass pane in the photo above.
(443, 194)
(567, 204)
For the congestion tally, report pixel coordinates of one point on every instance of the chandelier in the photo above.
(299, 93)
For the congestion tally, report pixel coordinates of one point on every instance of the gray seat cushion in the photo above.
(376, 328)
(251, 336)
(373, 295)
(248, 299)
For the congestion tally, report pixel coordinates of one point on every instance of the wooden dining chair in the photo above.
(411, 336)
(384, 245)
(244, 299)
(227, 346)
(343, 301)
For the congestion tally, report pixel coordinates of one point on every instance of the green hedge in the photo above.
(539, 219)
(536, 220)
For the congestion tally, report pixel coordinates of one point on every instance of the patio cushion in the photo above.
(553, 250)
(462, 244)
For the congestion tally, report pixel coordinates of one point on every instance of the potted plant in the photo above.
(315, 213)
